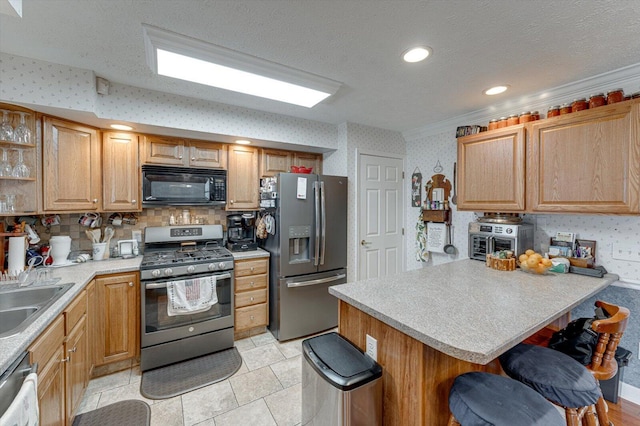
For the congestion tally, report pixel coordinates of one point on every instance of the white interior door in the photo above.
(380, 233)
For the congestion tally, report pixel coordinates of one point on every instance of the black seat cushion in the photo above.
(556, 376)
(488, 399)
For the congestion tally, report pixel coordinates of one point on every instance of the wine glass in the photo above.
(6, 131)
(5, 166)
(20, 169)
(10, 205)
(22, 134)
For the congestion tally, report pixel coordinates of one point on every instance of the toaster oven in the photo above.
(487, 238)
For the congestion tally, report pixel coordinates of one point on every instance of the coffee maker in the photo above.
(241, 232)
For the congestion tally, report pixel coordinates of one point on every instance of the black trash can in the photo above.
(611, 388)
(340, 385)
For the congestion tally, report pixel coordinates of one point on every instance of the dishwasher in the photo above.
(340, 385)
(18, 402)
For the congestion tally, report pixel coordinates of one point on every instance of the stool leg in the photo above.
(589, 418)
(601, 411)
(452, 421)
(572, 416)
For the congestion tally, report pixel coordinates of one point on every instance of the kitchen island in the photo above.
(435, 323)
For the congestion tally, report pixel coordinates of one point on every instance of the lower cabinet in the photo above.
(62, 354)
(116, 321)
(251, 294)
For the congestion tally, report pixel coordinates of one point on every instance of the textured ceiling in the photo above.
(532, 45)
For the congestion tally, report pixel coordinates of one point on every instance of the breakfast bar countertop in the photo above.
(467, 310)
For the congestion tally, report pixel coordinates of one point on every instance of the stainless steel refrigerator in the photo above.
(308, 252)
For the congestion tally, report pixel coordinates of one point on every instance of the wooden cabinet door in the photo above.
(121, 172)
(51, 390)
(118, 319)
(72, 176)
(308, 160)
(242, 180)
(491, 171)
(586, 162)
(77, 370)
(164, 150)
(274, 161)
(207, 155)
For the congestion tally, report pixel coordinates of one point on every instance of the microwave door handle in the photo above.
(316, 196)
(324, 223)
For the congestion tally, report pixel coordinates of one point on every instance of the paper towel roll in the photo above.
(17, 252)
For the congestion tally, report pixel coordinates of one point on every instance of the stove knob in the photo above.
(155, 272)
(212, 266)
(221, 265)
(168, 271)
(191, 269)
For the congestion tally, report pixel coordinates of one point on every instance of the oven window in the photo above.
(478, 246)
(503, 244)
(173, 188)
(156, 318)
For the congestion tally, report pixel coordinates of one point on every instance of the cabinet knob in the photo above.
(67, 359)
(180, 157)
(251, 284)
(130, 283)
(251, 298)
(252, 269)
(230, 201)
(193, 158)
(95, 201)
(75, 348)
(133, 201)
(252, 318)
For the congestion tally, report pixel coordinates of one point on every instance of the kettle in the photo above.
(60, 247)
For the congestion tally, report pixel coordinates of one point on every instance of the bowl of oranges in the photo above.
(534, 263)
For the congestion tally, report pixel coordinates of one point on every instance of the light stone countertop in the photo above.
(80, 274)
(252, 254)
(467, 310)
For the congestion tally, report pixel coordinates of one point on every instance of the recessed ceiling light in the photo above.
(496, 90)
(177, 56)
(416, 54)
(243, 142)
(120, 127)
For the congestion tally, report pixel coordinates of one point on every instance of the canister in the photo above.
(512, 120)
(597, 100)
(615, 96)
(493, 124)
(525, 117)
(579, 105)
(502, 122)
(553, 111)
(535, 115)
(565, 109)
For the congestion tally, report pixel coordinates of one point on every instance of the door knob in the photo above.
(365, 243)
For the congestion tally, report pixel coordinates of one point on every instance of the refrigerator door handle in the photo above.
(316, 194)
(324, 224)
(314, 282)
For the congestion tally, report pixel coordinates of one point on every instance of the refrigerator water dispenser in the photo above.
(299, 238)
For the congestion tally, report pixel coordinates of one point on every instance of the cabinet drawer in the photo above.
(251, 316)
(251, 267)
(75, 311)
(46, 345)
(248, 298)
(251, 283)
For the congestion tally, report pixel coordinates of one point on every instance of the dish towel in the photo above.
(186, 297)
(24, 408)
(422, 254)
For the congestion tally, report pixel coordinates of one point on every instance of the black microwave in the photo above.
(182, 186)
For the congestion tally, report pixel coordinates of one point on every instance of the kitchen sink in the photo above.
(20, 307)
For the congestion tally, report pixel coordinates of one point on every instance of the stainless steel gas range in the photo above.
(175, 253)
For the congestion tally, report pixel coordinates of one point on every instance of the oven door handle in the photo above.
(491, 244)
(151, 286)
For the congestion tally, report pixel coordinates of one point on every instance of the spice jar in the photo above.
(554, 111)
(512, 120)
(579, 105)
(525, 117)
(614, 96)
(597, 100)
(493, 124)
(565, 109)
(502, 122)
(535, 115)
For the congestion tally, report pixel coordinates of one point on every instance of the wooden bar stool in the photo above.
(566, 382)
(482, 399)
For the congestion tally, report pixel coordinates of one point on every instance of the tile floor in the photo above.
(266, 390)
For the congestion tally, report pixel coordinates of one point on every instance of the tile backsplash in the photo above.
(148, 217)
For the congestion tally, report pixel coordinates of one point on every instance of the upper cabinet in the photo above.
(583, 162)
(586, 162)
(72, 177)
(121, 172)
(243, 180)
(307, 160)
(184, 153)
(491, 170)
(273, 161)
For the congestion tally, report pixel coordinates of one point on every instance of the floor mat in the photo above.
(131, 412)
(182, 377)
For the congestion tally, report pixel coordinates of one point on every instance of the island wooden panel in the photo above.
(416, 378)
